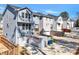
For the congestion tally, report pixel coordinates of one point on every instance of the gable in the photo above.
(59, 19)
(13, 11)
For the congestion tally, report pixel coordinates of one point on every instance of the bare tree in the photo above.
(77, 20)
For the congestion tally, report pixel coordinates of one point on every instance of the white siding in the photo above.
(54, 25)
(47, 24)
(9, 19)
(36, 21)
(60, 21)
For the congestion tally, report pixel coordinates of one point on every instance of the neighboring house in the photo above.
(59, 24)
(17, 24)
(48, 23)
(37, 18)
(64, 23)
(68, 25)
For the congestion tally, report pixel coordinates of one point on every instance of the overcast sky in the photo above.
(54, 9)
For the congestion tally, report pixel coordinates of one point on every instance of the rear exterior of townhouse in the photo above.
(19, 24)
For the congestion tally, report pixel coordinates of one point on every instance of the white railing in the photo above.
(25, 32)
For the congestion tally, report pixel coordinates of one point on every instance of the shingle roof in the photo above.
(38, 14)
(14, 9)
(44, 15)
(11, 8)
(64, 19)
(52, 16)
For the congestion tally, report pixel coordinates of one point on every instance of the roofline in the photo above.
(16, 10)
(25, 8)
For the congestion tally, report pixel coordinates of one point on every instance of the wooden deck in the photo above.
(7, 48)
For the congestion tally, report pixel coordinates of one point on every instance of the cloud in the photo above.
(1, 9)
(51, 12)
(34, 10)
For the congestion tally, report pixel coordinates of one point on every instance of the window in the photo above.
(40, 17)
(34, 15)
(6, 34)
(22, 15)
(59, 24)
(67, 23)
(51, 27)
(26, 26)
(29, 26)
(26, 15)
(7, 26)
(23, 26)
(32, 33)
(29, 16)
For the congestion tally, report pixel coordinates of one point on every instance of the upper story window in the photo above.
(29, 16)
(22, 15)
(26, 15)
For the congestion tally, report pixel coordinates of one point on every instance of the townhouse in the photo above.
(17, 24)
(20, 25)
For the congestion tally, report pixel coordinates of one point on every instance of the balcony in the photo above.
(25, 32)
